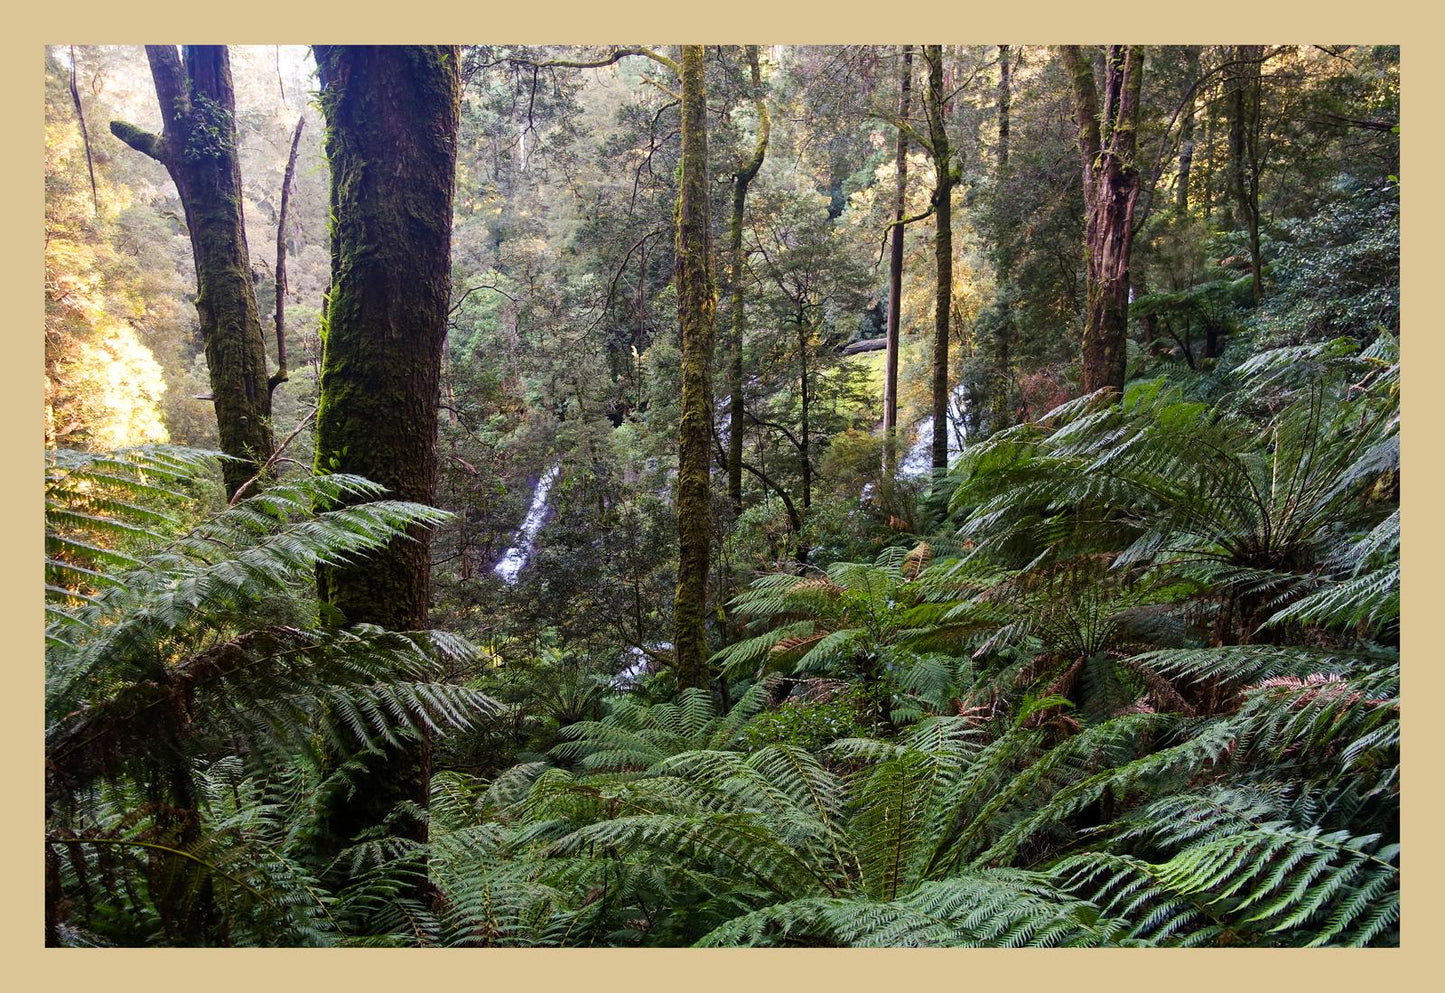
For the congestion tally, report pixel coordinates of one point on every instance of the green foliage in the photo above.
(1129, 675)
(810, 725)
(194, 655)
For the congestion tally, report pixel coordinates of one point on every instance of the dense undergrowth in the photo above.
(1139, 686)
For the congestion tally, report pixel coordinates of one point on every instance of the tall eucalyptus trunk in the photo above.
(696, 303)
(391, 142)
(942, 247)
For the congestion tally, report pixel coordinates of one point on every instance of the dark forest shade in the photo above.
(198, 149)
(696, 303)
(391, 115)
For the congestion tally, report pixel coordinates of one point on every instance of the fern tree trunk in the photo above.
(741, 180)
(391, 114)
(1111, 187)
(695, 306)
(198, 149)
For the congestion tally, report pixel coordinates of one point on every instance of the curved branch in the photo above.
(615, 56)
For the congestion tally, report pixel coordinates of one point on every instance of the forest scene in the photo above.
(722, 496)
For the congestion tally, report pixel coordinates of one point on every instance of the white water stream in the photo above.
(520, 553)
(918, 463)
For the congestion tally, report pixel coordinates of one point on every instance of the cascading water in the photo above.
(918, 463)
(520, 553)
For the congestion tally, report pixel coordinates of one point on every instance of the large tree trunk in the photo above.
(198, 149)
(1111, 188)
(895, 276)
(943, 250)
(391, 114)
(741, 179)
(695, 311)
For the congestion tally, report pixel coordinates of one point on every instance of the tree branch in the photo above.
(615, 56)
(140, 140)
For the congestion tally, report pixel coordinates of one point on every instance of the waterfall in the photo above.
(918, 462)
(520, 553)
(639, 664)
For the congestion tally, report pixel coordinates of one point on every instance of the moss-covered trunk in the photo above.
(198, 149)
(741, 180)
(695, 311)
(391, 115)
(942, 248)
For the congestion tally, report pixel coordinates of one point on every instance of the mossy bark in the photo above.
(198, 148)
(741, 179)
(392, 116)
(696, 303)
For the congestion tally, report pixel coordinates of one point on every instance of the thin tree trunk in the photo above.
(943, 251)
(741, 179)
(1002, 358)
(1234, 108)
(804, 427)
(280, 375)
(1210, 115)
(392, 116)
(1186, 133)
(198, 149)
(1250, 94)
(895, 276)
(84, 134)
(695, 305)
(1005, 99)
